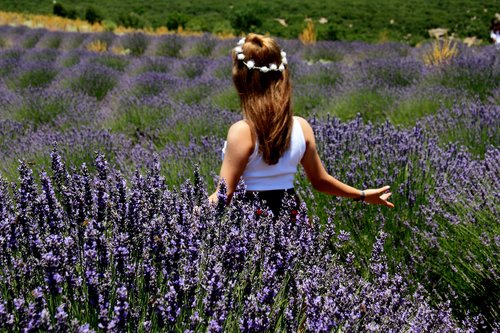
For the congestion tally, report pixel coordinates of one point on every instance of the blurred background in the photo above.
(361, 20)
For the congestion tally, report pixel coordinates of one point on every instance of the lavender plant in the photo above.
(129, 245)
(137, 43)
(92, 252)
(169, 46)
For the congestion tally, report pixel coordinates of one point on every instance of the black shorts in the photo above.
(276, 201)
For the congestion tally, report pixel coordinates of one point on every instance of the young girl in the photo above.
(267, 145)
(495, 33)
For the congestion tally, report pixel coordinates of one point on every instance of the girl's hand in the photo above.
(378, 196)
(213, 199)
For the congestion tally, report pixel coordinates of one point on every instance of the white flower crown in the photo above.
(251, 64)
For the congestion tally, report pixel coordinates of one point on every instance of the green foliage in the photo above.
(62, 11)
(312, 99)
(331, 32)
(193, 95)
(70, 60)
(323, 75)
(186, 131)
(359, 20)
(226, 100)
(369, 104)
(474, 137)
(58, 10)
(115, 62)
(464, 74)
(93, 83)
(92, 15)
(176, 20)
(53, 42)
(109, 25)
(138, 120)
(31, 40)
(39, 113)
(33, 78)
(153, 65)
(204, 47)
(133, 20)
(169, 46)
(222, 27)
(137, 43)
(246, 18)
(3, 43)
(471, 266)
(314, 53)
(192, 69)
(408, 111)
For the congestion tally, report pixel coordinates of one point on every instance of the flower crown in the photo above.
(251, 64)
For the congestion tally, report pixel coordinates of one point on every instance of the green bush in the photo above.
(35, 77)
(246, 18)
(204, 47)
(32, 39)
(176, 20)
(3, 43)
(133, 20)
(94, 81)
(222, 28)
(136, 42)
(92, 15)
(169, 46)
(116, 62)
(366, 21)
(109, 25)
(59, 10)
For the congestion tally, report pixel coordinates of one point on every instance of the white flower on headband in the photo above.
(283, 58)
(251, 64)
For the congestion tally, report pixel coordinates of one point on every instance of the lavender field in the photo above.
(107, 158)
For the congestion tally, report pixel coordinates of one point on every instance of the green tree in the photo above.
(246, 18)
(132, 20)
(59, 10)
(176, 20)
(92, 15)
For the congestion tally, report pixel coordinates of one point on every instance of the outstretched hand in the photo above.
(379, 196)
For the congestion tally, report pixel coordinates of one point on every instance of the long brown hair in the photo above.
(265, 96)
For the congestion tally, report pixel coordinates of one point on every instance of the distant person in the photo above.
(266, 147)
(495, 33)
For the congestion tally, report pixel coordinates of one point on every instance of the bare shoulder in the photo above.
(240, 125)
(239, 130)
(240, 134)
(306, 129)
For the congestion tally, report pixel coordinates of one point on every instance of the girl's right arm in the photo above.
(240, 146)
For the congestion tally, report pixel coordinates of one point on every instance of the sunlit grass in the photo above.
(408, 111)
(371, 105)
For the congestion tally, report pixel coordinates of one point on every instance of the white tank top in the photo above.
(260, 176)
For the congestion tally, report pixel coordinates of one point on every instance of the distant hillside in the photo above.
(334, 20)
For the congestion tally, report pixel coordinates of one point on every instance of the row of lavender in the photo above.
(88, 250)
(177, 106)
(52, 89)
(85, 251)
